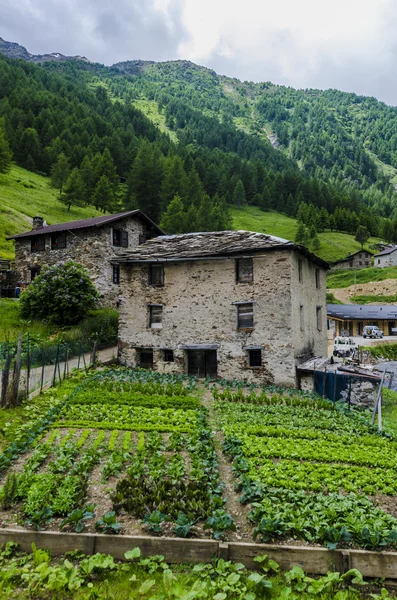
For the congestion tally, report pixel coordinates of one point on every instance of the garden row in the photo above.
(307, 469)
(143, 442)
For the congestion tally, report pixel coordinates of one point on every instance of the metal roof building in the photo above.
(354, 317)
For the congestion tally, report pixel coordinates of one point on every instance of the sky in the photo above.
(350, 45)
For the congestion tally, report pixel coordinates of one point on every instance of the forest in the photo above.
(88, 127)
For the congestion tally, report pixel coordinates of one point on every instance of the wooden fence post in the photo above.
(17, 373)
(5, 379)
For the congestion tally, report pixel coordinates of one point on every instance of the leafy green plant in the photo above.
(154, 520)
(9, 491)
(220, 521)
(108, 523)
(183, 525)
(75, 520)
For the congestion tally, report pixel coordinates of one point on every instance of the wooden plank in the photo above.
(375, 564)
(317, 561)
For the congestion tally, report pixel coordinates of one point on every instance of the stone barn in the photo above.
(91, 242)
(229, 304)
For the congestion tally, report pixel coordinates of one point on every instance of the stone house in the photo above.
(358, 260)
(91, 242)
(231, 304)
(386, 258)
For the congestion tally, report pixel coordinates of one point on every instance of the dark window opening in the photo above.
(58, 241)
(245, 316)
(300, 270)
(244, 270)
(34, 271)
(378, 261)
(169, 355)
(319, 318)
(37, 244)
(255, 358)
(318, 280)
(146, 359)
(116, 274)
(156, 275)
(301, 318)
(202, 363)
(120, 238)
(142, 239)
(155, 316)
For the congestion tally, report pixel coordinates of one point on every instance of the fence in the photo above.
(26, 369)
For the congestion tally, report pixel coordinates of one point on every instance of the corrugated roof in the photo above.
(84, 223)
(387, 251)
(362, 312)
(191, 246)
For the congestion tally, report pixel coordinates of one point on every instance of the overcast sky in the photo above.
(345, 44)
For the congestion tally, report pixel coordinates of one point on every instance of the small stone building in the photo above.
(229, 304)
(91, 242)
(361, 259)
(386, 258)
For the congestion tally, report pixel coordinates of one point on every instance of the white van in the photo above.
(344, 346)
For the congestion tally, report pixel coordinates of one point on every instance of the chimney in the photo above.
(38, 223)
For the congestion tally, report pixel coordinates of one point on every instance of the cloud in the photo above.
(343, 44)
(103, 31)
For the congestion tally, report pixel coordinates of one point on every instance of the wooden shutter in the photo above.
(156, 316)
(38, 243)
(245, 316)
(244, 270)
(124, 239)
(156, 276)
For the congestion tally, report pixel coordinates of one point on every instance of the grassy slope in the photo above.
(24, 194)
(344, 279)
(333, 245)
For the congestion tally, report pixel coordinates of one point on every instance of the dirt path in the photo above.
(387, 287)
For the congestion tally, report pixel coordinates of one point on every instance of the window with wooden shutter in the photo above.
(37, 244)
(116, 237)
(156, 275)
(58, 241)
(245, 316)
(155, 316)
(116, 274)
(124, 239)
(146, 358)
(244, 270)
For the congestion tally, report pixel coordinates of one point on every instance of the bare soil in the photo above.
(387, 287)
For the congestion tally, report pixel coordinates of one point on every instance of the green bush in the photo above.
(62, 294)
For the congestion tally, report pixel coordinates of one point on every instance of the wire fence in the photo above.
(26, 368)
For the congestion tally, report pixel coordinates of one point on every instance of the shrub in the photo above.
(62, 294)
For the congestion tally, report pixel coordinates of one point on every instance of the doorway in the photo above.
(202, 363)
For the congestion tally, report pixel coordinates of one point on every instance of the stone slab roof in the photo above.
(362, 312)
(85, 223)
(350, 256)
(387, 251)
(217, 244)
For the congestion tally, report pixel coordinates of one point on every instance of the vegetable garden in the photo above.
(131, 452)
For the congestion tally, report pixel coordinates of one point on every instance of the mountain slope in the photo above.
(24, 195)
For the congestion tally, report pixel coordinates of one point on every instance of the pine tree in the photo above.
(103, 196)
(174, 218)
(5, 152)
(301, 236)
(87, 174)
(74, 190)
(239, 194)
(362, 235)
(60, 172)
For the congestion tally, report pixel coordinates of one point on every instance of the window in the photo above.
(244, 270)
(367, 263)
(58, 241)
(155, 316)
(319, 318)
(146, 358)
(142, 239)
(156, 275)
(169, 355)
(351, 264)
(301, 318)
(360, 255)
(34, 271)
(120, 238)
(255, 358)
(360, 262)
(378, 261)
(245, 316)
(116, 274)
(300, 270)
(37, 243)
(318, 279)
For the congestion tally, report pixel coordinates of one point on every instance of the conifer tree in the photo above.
(239, 194)
(74, 190)
(60, 172)
(302, 235)
(5, 152)
(103, 196)
(174, 218)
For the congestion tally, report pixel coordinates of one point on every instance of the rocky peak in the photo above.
(14, 50)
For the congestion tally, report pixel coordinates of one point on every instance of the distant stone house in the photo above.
(386, 258)
(358, 260)
(91, 242)
(231, 304)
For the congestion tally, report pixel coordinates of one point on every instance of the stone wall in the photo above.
(386, 260)
(92, 247)
(361, 260)
(198, 299)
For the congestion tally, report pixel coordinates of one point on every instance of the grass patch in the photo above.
(383, 351)
(331, 299)
(389, 409)
(11, 323)
(374, 299)
(24, 194)
(151, 110)
(333, 245)
(342, 279)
